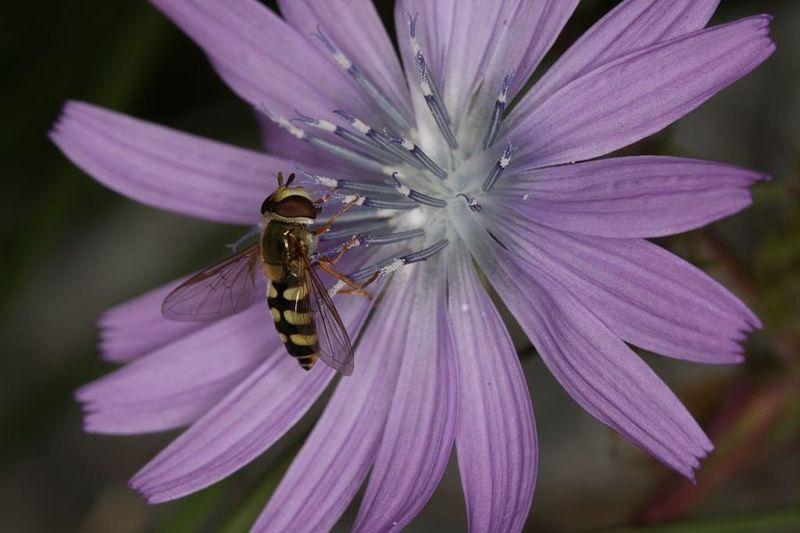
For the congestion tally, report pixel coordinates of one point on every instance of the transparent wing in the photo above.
(222, 290)
(334, 342)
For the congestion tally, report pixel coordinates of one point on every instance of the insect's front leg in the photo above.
(355, 287)
(352, 241)
(327, 226)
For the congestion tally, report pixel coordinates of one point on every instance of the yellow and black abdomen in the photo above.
(287, 294)
(291, 312)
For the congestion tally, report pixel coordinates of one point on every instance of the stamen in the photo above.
(497, 113)
(364, 273)
(428, 87)
(349, 155)
(498, 169)
(435, 104)
(366, 239)
(361, 215)
(252, 232)
(417, 152)
(472, 203)
(375, 93)
(365, 201)
(416, 51)
(283, 122)
(379, 145)
(354, 229)
(330, 127)
(392, 264)
(334, 149)
(353, 186)
(415, 195)
(426, 253)
(391, 238)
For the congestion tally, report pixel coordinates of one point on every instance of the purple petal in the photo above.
(418, 437)
(473, 42)
(495, 431)
(336, 458)
(471, 45)
(238, 429)
(355, 28)
(631, 25)
(245, 423)
(594, 366)
(137, 327)
(266, 61)
(638, 94)
(629, 196)
(648, 296)
(176, 384)
(164, 168)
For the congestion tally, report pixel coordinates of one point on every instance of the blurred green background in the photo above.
(71, 248)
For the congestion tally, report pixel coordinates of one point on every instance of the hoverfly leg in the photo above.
(327, 226)
(355, 288)
(322, 201)
(350, 243)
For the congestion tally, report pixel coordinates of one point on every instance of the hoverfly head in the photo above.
(290, 203)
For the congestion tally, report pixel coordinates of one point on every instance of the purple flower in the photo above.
(431, 151)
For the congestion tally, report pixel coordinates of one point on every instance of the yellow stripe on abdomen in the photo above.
(303, 340)
(297, 292)
(297, 319)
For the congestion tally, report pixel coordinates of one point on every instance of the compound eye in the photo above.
(296, 206)
(268, 205)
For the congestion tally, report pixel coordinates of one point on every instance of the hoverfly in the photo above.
(307, 321)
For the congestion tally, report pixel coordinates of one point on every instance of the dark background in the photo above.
(71, 248)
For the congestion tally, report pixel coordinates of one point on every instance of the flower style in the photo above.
(444, 170)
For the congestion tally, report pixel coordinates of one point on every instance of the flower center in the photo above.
(424, 169)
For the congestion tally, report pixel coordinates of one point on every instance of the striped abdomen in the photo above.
(291, 311)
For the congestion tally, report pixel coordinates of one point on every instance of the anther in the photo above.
(435, 104)
(417, 152)
(415, 195)
(323, 125)
(349, 155)
(365, 201)
(354, 229)
(334, 149)
(390, 238)
(414, 257)
(353, 186)
(428, 87)
(366, 214)
(367, 238)
(330, 127)
(497, 113)
(416, 51)
(379, 139)
(282, 122)
(426, 253)
(363, 81)
(379, 145)
(472, 203)
(392, 264)
(364, 273)
(497, 169)
(319, 179)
